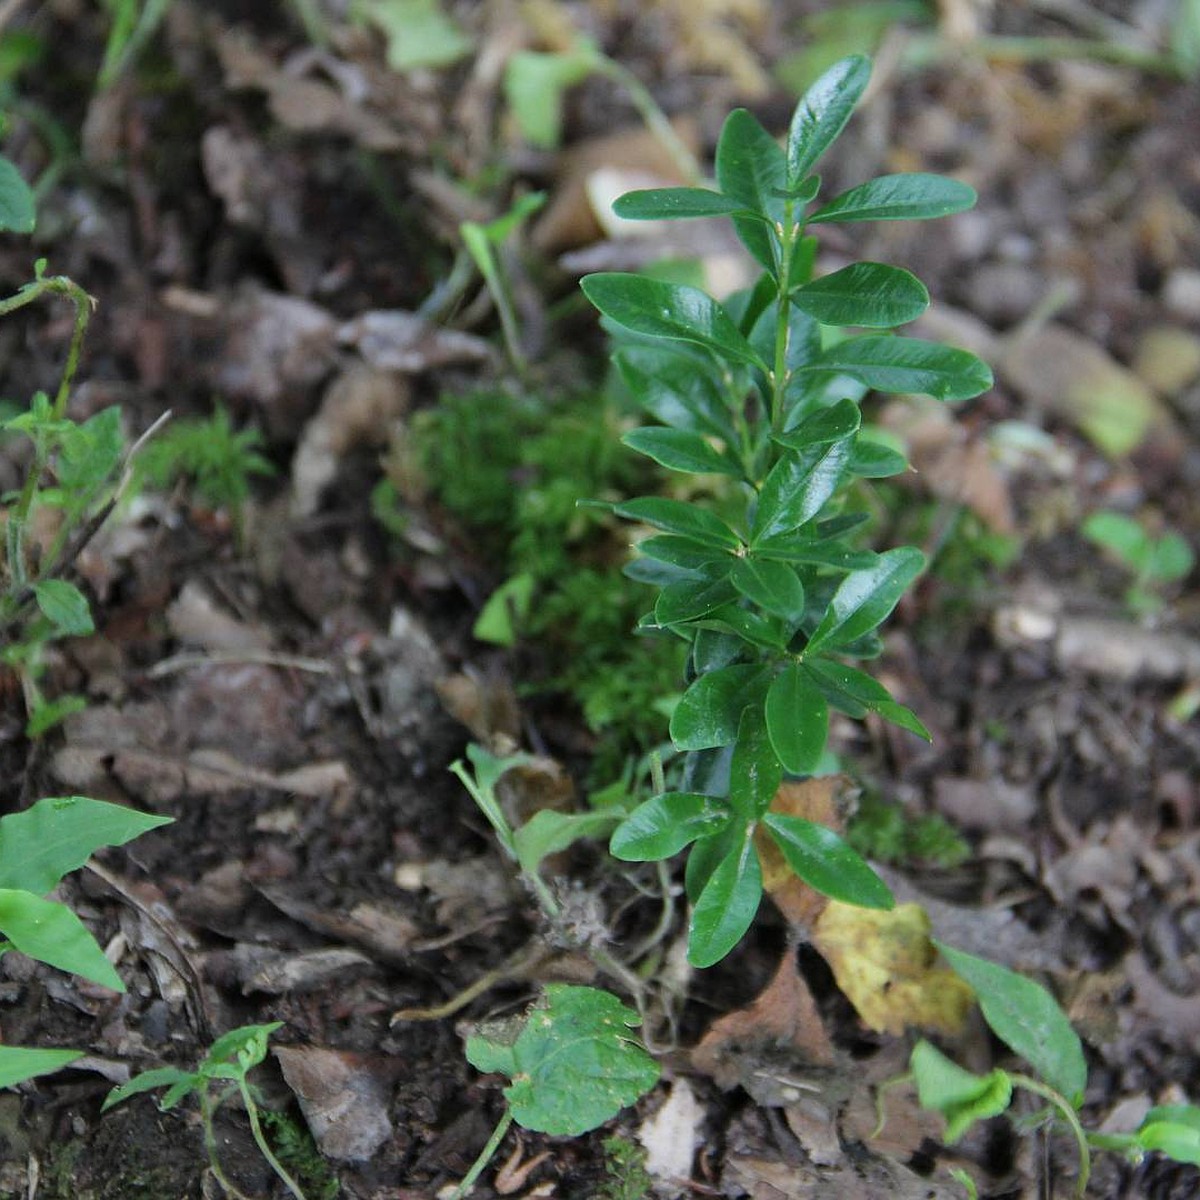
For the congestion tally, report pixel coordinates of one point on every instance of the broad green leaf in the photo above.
(709, 712)
(547, 832)
(797, 720)
(832, 424)
(90, 455)
(65, 606)
(53, 934)
(18, 210)
(827, 863)
(898, 198)
(1173, 1130)
(746, 625)
(668, 310)
(680, 450)
(664, 825)
(752, 169)
(865, 599)
(797, 488)
(773, 586)
(855, 693)
(1027, 1019)
(691, 599)
(19, 1063)
(1119, 534)
(59, 834)
(873, 458)
(726, 907)
(147, 1081)
(870, 294)
(902, 364)
(961, 1097)
(678, 392)
(822, 114)
(755, 772)
(573, 1065)
(665, 204)
(418, 33)
(675, 516)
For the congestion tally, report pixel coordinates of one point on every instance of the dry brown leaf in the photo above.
(884, 962)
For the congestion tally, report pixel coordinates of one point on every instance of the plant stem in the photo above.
(779, 377)
(1060, 1102)
(210, 1145)
(485, 1156)
(925, 51)
(256, 1129)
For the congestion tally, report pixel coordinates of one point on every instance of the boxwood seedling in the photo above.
(774, 601)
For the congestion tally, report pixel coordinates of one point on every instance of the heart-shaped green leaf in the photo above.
(709, 712)
(827, 863)
(822, 114)
(726, 907)
(901, 364)
(870, 294)
(663, 825)
(961, 1097)
(797, 720)
(912, 197)
(865, 599)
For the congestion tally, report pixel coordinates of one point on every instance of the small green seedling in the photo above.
(1153, 561)
(771, 597)
(573, 1065)
(1028, 1020)
(229, 1060)
(37, 848)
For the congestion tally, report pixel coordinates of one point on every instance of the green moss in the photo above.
(625, 1166)
(294, 1147)
(888, 833)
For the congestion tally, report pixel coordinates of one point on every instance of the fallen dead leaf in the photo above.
(276, 972)
(395, 340)
(671, 1135)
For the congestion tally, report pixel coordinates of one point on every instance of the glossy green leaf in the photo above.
(573, 1063)
(902, 364)
(747, 626)
(865, 599)
(773, 586)
(690, 599)
(709, 712)
(875, 459)
(832, 424)
(1027, 1019)
(18, 211)
(680, 450)
(19, 1063)
(666, 204)
(961, 1097)
(798, 486)
(797, 719)
(548, 832)
(663, 825)
(675, 516)
(65, 606)
(751, 169)
(1173, 1130)
(856, 693)
(822, 114)
(755, 772)
(59, 834)
(870, 294)
(827, 863)
(53, 934)
(726, 907)
(683, 552)
(668, 310)
(912, 197)
(675, 391)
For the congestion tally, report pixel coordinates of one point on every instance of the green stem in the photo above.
(207, 1109)
(485, 1156)
(1060, 1102)
(256, 1129)
(926, 51)
(779, 378)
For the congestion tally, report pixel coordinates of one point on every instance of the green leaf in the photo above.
(65, 606)
(245, 1047)
(45, 714)
(418, 33)
(573, 1065)
(1120, 535)
(668, 310)
(865, 599)
(90, 455)
(18, 210)
(773, 586)
(1171, 558)
(679, 450)
(1173, 1130)
(752, 170)
(832, 424)
(869, 294)
(709, 712)
(961, 1097)
(687, 520)
(59, 834)
(19, 1063)
(902, 364)
(1027, 1019)
(898, 198)
(797, 720)
(675, 203)
(855, 693)
(147, 1081)
(827, 863)
(755, 772)
(534, 84)
(822, 114)
(664, 825)
(683, 552)
(675, 391)
(873, 458)
(726, 907)
(690, 599)
(53, 934)
(797, 488)
(505, 611)
(547, 832)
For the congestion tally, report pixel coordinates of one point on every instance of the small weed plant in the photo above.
(776, 605)
(1154, 562)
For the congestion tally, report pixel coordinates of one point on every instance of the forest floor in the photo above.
(260, 219)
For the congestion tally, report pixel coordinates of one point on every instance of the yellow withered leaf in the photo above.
(884, 962)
